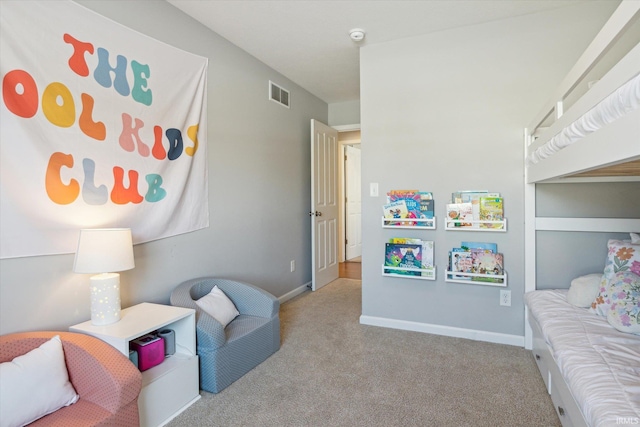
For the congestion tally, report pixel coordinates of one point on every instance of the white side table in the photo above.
(172, 386)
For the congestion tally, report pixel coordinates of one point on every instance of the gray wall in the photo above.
(563, 256)
(259, 189)
(344, 113)
(445, 112)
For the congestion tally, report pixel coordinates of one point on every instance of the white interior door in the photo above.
(324, 204)
(353, 214)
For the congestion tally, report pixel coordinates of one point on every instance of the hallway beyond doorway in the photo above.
(350, 269)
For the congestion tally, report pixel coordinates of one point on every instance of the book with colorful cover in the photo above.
(412, 200)
(473, 197)
(489, 263)
(491, 209)
(486, 246)
(426, 195)
(394, 195)
(462, 212)
(400, 193)
(427, 209)
(397, 209)
(403, 255)
(427, 248)
(465, 196)
(461, 261)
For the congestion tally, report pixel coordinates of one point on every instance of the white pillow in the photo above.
(217, 305)
(584, 290)
(635, 238)
(35, 384)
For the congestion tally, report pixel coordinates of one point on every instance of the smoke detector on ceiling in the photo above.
(357, 34)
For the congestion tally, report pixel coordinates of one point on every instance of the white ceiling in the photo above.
(308, 41)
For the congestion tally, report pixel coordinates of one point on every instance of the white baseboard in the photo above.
(449, 331)
(179, 411)
(294, 293)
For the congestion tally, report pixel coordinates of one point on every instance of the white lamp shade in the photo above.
(104, 250)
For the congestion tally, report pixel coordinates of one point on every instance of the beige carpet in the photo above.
(332, 371)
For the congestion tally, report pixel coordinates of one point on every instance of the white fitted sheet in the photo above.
(600, 364)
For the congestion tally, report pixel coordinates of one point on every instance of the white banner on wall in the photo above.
(100, 126)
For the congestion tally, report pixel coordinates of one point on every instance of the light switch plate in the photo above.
(373, 189)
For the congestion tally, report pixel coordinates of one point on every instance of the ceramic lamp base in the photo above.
(105, 298)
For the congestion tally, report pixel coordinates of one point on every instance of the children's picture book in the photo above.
(397, 209)
(427, 254)
(427, 248)
(486, 246)
(464, 196)
(426, 208)
(403, 255)
(460, 261)
(473, 197)
(409, 204)
(412, 200)
(396, 193)
(491, 209)
(487, 263)
(461, 213)
(478, 258)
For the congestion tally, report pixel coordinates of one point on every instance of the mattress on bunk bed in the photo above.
(600, 364)
(622, 101)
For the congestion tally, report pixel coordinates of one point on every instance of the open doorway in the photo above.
(352, 203)
(329, 148)
(350, 200)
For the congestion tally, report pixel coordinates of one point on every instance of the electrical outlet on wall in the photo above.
(293, 265)
(505, 297)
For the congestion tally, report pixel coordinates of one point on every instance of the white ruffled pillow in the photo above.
(35, 384)
(217, 305)
(584, 290)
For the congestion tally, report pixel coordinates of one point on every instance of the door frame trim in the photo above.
(347, 128)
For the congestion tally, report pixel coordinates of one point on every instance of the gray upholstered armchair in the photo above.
(226, 354)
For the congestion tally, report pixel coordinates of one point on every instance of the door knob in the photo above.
(316, 213)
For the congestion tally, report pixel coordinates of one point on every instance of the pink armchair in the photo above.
(107, 382)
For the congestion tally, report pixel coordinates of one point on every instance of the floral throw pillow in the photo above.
(624, 312)
(622, 256)
(602, 303)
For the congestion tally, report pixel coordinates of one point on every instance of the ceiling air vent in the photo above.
(278, 94)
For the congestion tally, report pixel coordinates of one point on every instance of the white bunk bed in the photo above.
(588, 132)
(566, 144)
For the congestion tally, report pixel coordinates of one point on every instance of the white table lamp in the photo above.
(104, 251)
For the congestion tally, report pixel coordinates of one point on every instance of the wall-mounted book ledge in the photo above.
(412, 223)
(475, 225)
(477, 278)
(409, 273)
